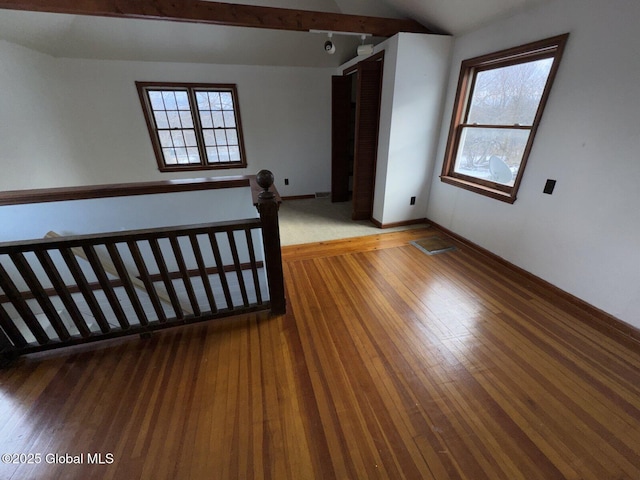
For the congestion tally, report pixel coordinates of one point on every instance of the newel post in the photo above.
(268, 205)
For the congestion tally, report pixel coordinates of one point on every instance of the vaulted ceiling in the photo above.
(80, 36)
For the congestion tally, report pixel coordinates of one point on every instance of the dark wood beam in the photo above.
(218, 13)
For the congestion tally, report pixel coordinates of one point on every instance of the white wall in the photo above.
(34, 146)
(79, 122)
(409, 135)
(79, 217)
(585, 238)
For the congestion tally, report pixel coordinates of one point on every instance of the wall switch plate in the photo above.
(412, 201)
(549, 186)
(286, 181)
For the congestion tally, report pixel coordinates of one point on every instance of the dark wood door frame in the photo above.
(368, 93)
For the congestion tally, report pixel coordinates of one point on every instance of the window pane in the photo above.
(161, 119)
(218, 120)
(203, 100)
(229, 119)
(190, 138)
(214, 100)
(209, 138)
(169, 156)
(156, 100)
(509, 95)
(174, 119)
(181, 154)
(165, 138)
(178, 139)
(221, 138)
(226, 100)
(232, 137)
(234, 154)
(223, 153)
(194, 156)
(205, 119)
(169, 100)
(182, 100)
(186, 120)
(492, 154)
(212, 155)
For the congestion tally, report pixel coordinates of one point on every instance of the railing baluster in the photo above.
(85, 289)
(61, 289)
(238, 267)
(105, 283)
(40, 295)
(177, 252)
(126, 283)
(146, 279)
(202, 268)
(221, 272)
(63, 292)
(164, 273)
(6, 322)
(254, 265)
(22, 307)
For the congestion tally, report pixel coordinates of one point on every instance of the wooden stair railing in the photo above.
(62, 291)
(111, 269)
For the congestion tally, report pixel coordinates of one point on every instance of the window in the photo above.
(193, 126)
(499, 103)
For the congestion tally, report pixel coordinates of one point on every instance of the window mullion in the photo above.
(197, 125)
(469, 96)
(491, 125)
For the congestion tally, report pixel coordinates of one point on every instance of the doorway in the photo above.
(354, 129)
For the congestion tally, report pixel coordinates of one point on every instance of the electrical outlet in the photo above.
(286, 181)
(549, 186)
(412, 201)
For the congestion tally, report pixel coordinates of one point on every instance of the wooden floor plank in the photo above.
(389, 364)
(473, 422)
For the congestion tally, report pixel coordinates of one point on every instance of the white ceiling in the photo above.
(149, 40)
(459, 16)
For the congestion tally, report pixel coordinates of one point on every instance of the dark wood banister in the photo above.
(266, 201)
(85, 192)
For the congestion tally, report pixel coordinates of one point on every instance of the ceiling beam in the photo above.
(218, 13)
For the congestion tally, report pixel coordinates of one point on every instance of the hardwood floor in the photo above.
(389, 364)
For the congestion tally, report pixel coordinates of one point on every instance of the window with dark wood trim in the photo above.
(498, 107)
(193, 126)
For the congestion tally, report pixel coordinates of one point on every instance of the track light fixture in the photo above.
(364, 49)
(330, 47)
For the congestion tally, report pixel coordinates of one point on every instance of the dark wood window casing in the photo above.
(505, 188)
(193, 126)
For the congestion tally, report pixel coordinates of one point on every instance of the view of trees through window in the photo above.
(499, 104)
(502, 108)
